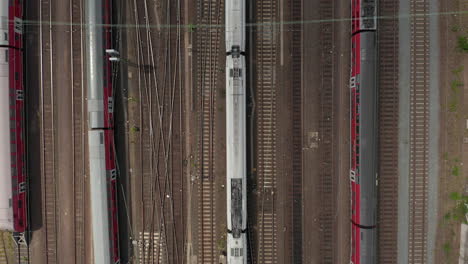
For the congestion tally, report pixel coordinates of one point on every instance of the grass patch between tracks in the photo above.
(462, 43)
(7, 248)
(455, 89)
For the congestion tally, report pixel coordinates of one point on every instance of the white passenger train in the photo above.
(236, 133)
(102, 165)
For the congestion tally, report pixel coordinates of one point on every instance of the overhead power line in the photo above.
(195, 27)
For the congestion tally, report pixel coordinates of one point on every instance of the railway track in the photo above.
(145, 151)
(4, 249)
(208, 43)
(149, 248)
(49, 192)
(296, 46)
(326, 131)
(22, 254)
(78, 127)
(419, 131)
(388, 134)
(265, 82)
(162, 222)
(11, 252)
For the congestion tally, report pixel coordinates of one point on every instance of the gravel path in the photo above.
(404, 131)
(434, 126)
(403, 134)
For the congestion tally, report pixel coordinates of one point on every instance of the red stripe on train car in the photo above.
(355, 16)
(112, 193)
(109, 136)
(16, 93)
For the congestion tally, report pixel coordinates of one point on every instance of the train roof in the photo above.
(99, 200)
(368, 122)
(6, 212)
(235, 24)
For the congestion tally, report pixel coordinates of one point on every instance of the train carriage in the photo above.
(235, 24)
(13, 197)
(108, 99)
(18, 155)
(236, 178)
(6, 191)
(103, 196)
(236, 184)
(363, 133)
(102, 158)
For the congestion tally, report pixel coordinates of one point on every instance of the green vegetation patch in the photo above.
(455, 86)
(446, 155)
(462, 43)
(455, 196)
(222, 242)
(455, 170)
(7, 248)
(447, 248)
(192, 27)
(458, 70)
(460, 209)
(455, 28)
(453, 105)
(447, 216)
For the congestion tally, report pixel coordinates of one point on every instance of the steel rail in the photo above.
(326, 128)
(155, 149)
(77, 127)
(47, 136)
(388, 135)
(266, 50)
(207, 43)
(419, 132)
(143, 105)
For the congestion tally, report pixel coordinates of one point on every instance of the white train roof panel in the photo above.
(235, 24)
(95, 63)
(236, 249)
(3, 22)
(236, 144)
(99, 201)
(6, 211)
(235, 117)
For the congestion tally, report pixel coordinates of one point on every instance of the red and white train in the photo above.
(364, 129)
(102, 160)
(13, 190)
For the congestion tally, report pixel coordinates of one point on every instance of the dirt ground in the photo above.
(284, 147)
(453, 114)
